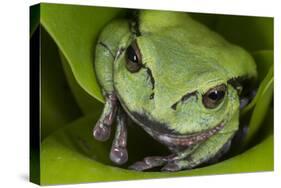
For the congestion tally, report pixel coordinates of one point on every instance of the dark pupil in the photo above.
(216, 95)
(131, 54)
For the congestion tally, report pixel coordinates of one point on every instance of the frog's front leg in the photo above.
(103, 126)
(118, 153)
(106, 50)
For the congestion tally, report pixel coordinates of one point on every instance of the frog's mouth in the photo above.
(168, 137)
(187, 140)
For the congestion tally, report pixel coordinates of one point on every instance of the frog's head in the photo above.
(174, 81)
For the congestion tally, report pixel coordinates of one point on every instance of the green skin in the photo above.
(181, 60)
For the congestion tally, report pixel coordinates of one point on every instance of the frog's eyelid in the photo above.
(184, 98)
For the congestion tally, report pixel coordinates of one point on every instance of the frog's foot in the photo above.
(102, 131)
(177, 165)
(168, 164)
(151, 162)
(103, 127)
(118, 153)
(148, 163)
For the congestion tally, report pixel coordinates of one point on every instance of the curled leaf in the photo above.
(75, 30)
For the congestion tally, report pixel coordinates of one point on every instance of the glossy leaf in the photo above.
(58, 106)
(263, 100)
(252, 33)
(75, 30)
(264, 62)
(86, 102)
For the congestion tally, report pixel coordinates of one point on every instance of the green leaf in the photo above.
(75, 30)
(58, 106)
(86, 102)
(264, 62)
(261, 103)
(72, 155)
(252, 33)
(263, 100)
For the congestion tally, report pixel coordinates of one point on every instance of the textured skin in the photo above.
(183, 57)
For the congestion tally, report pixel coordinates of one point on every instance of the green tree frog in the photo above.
(178, 80)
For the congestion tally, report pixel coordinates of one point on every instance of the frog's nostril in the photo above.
(151, 96)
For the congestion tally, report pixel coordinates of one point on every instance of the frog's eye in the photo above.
(133, 58)
(214, 96)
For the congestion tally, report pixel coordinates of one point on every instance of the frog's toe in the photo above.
(155, 161)
(119, 155)
(148, 163)
(139, 166)
(171, 167)
(102, 131)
